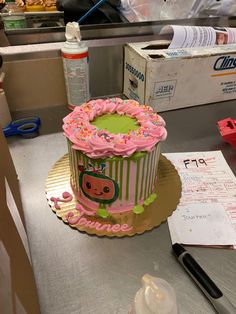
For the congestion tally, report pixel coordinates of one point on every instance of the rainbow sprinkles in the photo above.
(100, 143)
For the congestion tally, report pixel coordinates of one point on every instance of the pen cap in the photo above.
(155, 297)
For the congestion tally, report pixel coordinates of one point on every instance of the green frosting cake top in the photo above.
(116, 123)
(113, 127)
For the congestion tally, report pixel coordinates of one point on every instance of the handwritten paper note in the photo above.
(202, 224)
(207, 181)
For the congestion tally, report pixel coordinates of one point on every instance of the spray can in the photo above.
(75, 63)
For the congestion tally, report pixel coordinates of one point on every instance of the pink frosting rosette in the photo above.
(97, 143)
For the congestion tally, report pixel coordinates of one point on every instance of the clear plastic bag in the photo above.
(154, 10)
(139, 10)
(206, 8)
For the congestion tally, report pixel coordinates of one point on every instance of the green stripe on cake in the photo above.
(158, 155)
(77, 168)
(104, 170)
(110, 168)
(146, 183)
(127, 180)
(116, 170)
(69, 150)
(70, 159)
(137, 181)
(73, 166)
(153, 170)
(83, 159)
(155, 165)
(79, 156)
(87, 161)
(69, 154)
(150, 172)
(121, 178)
(142, 181)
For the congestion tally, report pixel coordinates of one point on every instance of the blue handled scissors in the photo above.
(27, 127)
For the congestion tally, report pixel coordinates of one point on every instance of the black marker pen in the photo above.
(221, 304)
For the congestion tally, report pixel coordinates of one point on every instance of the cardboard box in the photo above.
(17, 284)
(169, 79)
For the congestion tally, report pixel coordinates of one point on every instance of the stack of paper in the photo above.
(206, 214)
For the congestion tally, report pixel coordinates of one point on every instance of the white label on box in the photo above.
(164, 89)
(177, 53)
(228, 87)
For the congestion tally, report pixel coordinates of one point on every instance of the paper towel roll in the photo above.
(5, 116)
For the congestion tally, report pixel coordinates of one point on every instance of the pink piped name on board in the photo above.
(83, 221)
(66, 198)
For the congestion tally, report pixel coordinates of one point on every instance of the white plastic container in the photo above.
(155, 297)
(76, 69)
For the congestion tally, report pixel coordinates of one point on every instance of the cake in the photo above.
(114, 148)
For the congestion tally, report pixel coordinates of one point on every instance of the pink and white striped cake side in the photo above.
(135, 175)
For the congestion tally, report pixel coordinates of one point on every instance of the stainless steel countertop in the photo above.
(78, 273)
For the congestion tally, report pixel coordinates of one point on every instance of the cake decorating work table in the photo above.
(79, 273)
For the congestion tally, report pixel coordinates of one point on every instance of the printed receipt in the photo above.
(198, 36)
(206, 214)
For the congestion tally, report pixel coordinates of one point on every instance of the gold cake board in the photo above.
(168, 192)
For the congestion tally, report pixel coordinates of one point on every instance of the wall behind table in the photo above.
(39, 82)
(36, 83)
